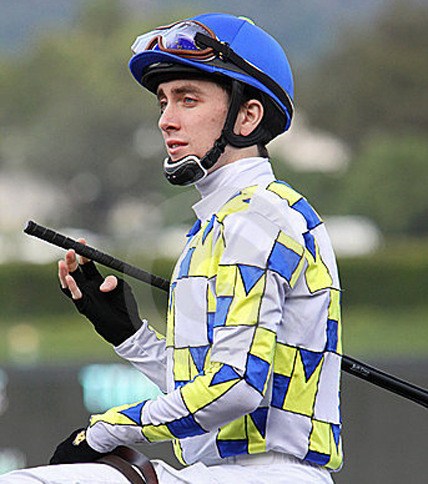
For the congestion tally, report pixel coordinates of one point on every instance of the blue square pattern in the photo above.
(226, 373)
(310, 244)
(228, 448)
(250, 275)
(185, 264)
(283, 260)
(317, 458)
(279, 389)
(223, 305)
(185, 427)
(199, 354)
(332, 338)
(311, 217)
(310, 361)
(210, 326)
(259, 417)
(134, 413)
(256, 372)
(208, 228)
(195, 229)
(336, 429)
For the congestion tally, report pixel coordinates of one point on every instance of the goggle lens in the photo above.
(176, 39)
(182, 36)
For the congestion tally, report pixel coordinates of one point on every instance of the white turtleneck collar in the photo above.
(221, 184)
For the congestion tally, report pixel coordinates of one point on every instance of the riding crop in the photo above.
(349, 365)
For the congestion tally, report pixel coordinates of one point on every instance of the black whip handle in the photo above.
(385, 380)
(95, 255)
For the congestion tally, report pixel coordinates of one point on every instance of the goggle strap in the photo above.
(229, 55)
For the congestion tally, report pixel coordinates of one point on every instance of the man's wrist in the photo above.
(94, 438)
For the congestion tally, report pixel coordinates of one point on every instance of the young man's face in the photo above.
(193, 113)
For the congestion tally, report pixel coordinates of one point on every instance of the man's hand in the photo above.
(108, 303)
(75, 449)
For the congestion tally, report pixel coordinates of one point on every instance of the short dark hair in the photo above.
(262, 150)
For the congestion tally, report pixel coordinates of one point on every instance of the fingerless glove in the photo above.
(75, 449)
(114, 314)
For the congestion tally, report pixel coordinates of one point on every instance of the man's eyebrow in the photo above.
(184, 89)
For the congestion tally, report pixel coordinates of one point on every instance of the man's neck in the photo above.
(232, 154)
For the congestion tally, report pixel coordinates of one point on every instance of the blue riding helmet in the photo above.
(251, 43)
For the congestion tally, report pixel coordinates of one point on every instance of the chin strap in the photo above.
(191, 168)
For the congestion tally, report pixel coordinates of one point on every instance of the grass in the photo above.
(52, 340)
(367, 333)
(376, 332)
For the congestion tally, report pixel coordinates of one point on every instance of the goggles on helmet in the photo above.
(191, 39)
(178, 38)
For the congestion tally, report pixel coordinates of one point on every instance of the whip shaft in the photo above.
(349, 365)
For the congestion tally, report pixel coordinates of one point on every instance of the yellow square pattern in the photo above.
(245, 309)
(156, 433)
(263, 345)
(284, 359)
(285, 192)
(317, 274)
(301, 394)
(199, 393)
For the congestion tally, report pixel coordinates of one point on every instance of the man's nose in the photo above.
(168, 119)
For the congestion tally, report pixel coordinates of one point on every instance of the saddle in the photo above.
(134, 465)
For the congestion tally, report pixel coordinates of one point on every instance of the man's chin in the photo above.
(176, 158)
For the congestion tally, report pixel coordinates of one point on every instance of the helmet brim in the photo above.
(139, 63)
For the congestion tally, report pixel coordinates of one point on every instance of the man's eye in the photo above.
(162, 106)
(189, 100)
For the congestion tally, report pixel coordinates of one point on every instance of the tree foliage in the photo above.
(387, 183)
(375, 80)
(74, 107)
(371, 92)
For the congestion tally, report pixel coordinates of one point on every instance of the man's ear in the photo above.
(249, 117)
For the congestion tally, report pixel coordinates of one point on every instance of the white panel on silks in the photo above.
(328, 390)
(198, 445)
(232, 344)
(296, 427)
(281, 214)
(240, 399)
(270, 314)
(190, 315)
(305, 318)
(249, 239)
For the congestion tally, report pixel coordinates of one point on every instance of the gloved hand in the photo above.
(114, 314)
(75, 449)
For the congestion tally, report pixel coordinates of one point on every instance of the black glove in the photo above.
(75, 449)
(114, 314)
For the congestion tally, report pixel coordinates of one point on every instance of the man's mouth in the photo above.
(175, 147)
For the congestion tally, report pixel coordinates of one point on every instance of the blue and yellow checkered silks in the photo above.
(254, 330)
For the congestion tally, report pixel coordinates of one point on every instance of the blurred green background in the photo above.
(80, 152)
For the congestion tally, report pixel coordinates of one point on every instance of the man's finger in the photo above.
(82, 260)
(71, 260)
(110, 283)
(62, 273)
(73, 287)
